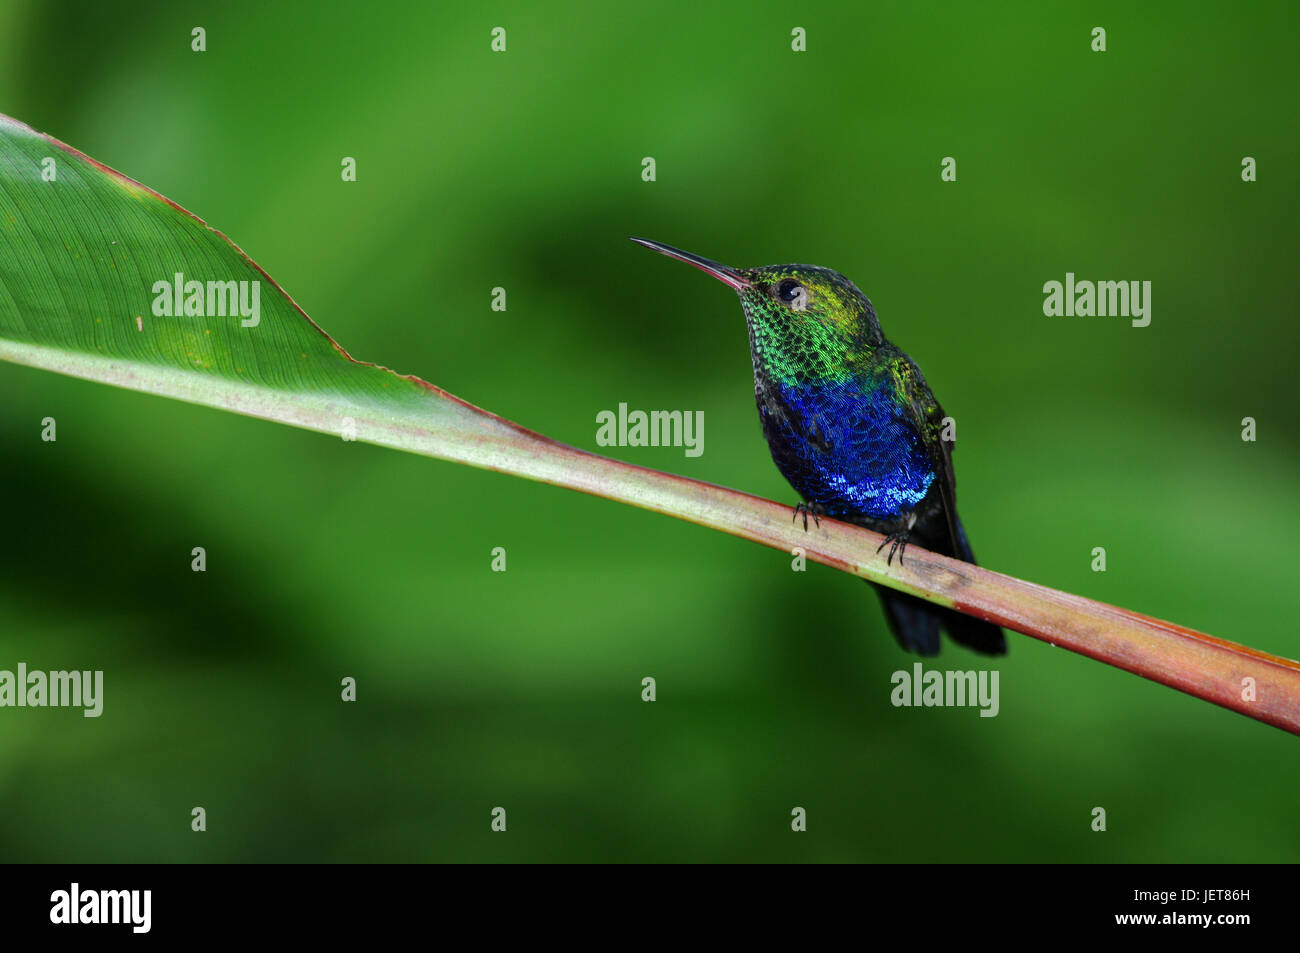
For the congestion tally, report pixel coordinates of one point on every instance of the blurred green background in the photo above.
(523, 170)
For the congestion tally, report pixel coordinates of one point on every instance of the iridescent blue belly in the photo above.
(851, 452)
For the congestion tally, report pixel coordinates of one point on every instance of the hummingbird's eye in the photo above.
(788, 290)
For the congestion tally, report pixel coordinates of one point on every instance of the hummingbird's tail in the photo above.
(916, 623)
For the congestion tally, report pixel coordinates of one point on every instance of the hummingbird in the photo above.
(853, 427)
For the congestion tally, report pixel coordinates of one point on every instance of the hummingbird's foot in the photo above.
(898, 537)
(899, 541)
(815, 509)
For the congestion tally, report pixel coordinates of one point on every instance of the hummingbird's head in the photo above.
(805, 322)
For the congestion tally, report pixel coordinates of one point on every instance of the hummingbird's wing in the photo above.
(927, 418)
(913, 625)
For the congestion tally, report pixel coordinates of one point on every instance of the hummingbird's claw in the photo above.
(899, 543)
(804, 508)
(898, 537)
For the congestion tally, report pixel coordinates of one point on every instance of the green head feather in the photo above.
(807, 324)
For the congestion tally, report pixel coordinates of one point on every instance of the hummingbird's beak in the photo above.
(728, 276)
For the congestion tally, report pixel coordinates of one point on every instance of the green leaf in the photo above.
(81, 256)
(86, 256)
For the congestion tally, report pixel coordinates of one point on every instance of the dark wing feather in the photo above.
(927, 417)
